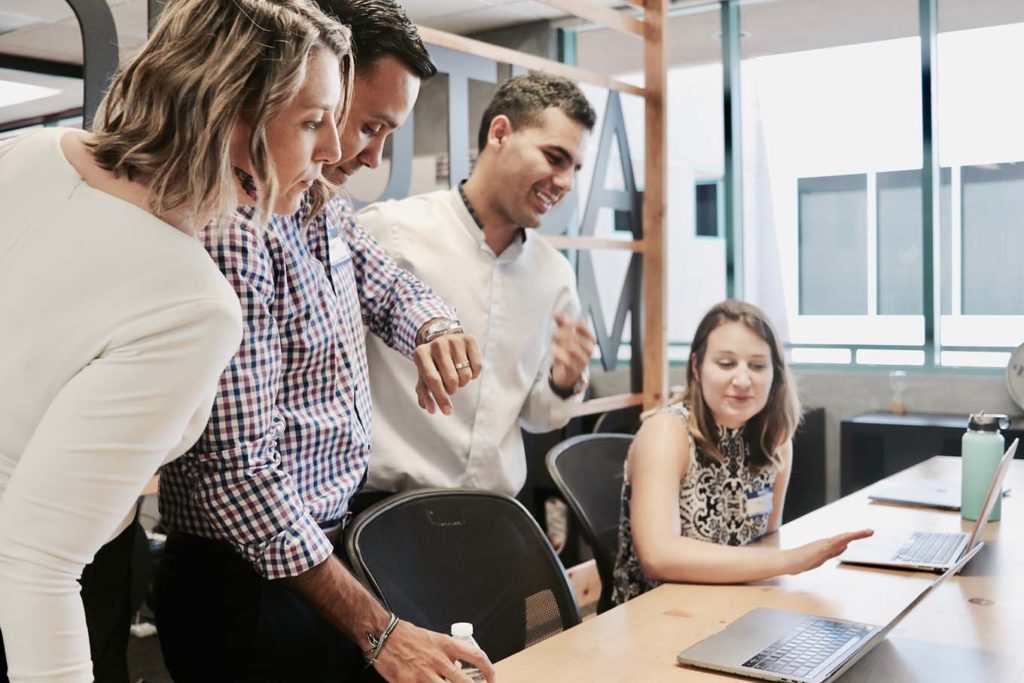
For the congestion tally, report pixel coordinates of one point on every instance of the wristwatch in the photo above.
(576, 388)
(438, 328)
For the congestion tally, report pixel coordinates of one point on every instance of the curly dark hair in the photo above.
(381, 28)
(523, 98)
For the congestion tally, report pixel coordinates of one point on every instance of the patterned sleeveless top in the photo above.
(712, 505)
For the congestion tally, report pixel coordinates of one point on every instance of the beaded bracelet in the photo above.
(377, 643)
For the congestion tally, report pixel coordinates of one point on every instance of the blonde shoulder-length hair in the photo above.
(168, 117)
(775, 424)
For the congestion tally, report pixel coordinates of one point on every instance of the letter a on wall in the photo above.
(626, 204)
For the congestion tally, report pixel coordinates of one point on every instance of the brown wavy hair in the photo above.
(776, 423)
(168, 117)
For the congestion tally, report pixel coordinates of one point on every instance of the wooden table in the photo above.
(967, 630)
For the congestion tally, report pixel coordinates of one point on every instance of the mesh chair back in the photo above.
(587, 470)
(445, 555)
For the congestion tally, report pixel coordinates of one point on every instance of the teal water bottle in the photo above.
(982, 448)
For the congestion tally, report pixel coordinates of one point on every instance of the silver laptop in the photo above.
(777, 645)
(944, 496)
(927, 550)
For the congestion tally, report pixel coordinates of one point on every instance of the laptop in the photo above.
(929, 551)
(942, 495)
(778, 645)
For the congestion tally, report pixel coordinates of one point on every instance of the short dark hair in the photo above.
(523, 98)
(381, 28)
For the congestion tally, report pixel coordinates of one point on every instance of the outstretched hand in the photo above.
(817, 553)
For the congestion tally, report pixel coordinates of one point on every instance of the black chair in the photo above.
(622, 421)
(588, 471)
(440, 556)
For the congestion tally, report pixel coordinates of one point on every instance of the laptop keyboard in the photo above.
(929, 548)
(804, 648)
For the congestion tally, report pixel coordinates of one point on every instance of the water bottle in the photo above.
(463, 632)
(982, 448)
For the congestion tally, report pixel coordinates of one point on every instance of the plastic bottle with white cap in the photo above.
(981, 450)
(463, 631)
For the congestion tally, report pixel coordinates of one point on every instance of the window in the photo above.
(992, 210)
(707, 222)
(833, 245)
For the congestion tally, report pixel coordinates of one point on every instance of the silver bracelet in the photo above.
(441, 328)
(377, 643)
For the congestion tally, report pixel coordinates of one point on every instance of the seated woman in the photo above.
(709, 473)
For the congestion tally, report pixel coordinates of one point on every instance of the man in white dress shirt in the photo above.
(512, 290)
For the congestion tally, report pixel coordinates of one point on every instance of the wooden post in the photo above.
(655, 168)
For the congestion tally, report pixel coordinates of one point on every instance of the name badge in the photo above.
(759, 503)
(338, 251)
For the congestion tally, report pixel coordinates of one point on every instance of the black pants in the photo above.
(106, 596)
(219, 620)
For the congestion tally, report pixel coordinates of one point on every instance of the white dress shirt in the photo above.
(509, 303)
(114, 329)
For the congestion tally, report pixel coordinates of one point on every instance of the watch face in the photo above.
(1015, 376)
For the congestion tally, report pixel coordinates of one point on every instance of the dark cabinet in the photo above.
(875, 445)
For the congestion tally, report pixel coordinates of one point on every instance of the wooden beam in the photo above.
(599, 14)
(575, 242)
(606, 403)
(655, 365)
(534, 63)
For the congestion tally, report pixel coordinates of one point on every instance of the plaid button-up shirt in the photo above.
(289, 436)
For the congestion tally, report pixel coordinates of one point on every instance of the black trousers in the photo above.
(219, 620)
(106, 596)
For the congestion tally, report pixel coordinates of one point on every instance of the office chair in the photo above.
(587, 470)
(621, 421)
(440, 556)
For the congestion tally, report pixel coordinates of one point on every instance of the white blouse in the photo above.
(114, 329)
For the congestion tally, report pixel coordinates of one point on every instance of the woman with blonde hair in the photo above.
(116, 323)
(710, 472)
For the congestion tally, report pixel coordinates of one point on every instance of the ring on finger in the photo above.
(462, 366)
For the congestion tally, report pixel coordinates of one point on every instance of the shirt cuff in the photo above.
(576, 390)
(294, 551)
(415, 319)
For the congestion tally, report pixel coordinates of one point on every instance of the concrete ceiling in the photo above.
(47, 29)
(779, 26)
